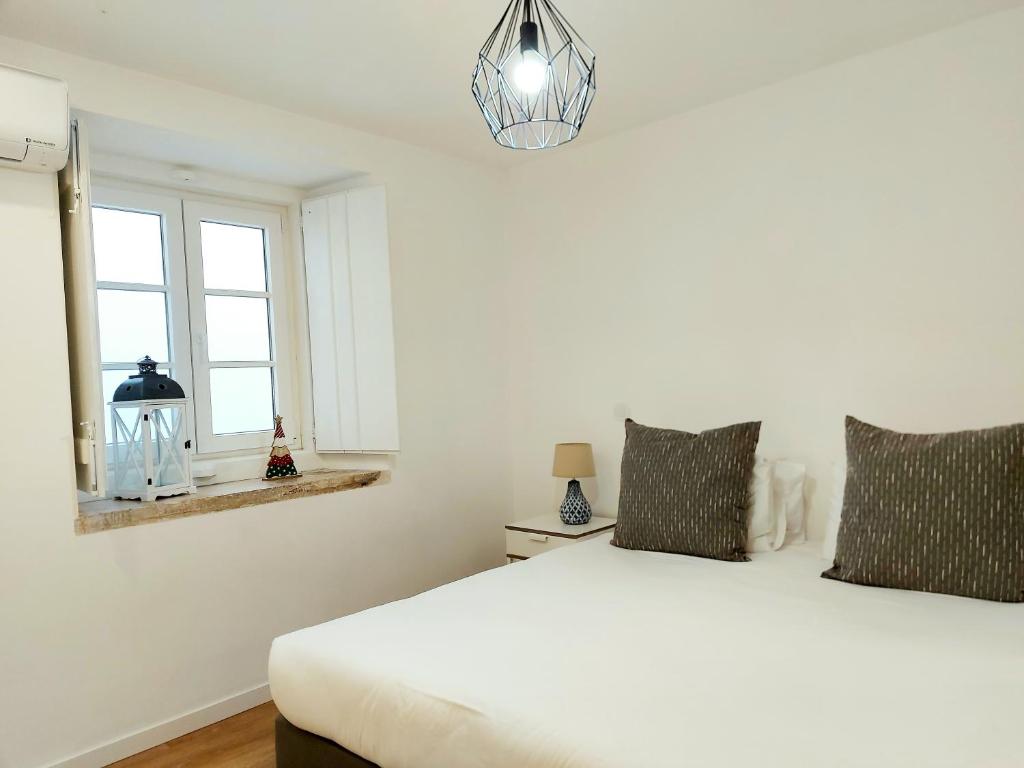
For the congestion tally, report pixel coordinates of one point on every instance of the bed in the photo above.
(593, 656)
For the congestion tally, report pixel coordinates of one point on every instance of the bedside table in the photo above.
(526, 538)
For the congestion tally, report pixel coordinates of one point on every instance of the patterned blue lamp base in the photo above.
(575, 507)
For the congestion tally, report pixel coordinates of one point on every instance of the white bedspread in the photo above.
(594, 656)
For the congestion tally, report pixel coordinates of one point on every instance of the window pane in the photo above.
(242, 400)
(233, 257)
(111, 381)
(128, 245)
(126, 464)
(237, 328)
(132, 324)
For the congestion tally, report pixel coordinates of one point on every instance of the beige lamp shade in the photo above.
(573, 460)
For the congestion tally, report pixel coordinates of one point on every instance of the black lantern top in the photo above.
(147, 384)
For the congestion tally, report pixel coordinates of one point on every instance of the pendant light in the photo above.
(534, 78)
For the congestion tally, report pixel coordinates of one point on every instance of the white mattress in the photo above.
(594, 656)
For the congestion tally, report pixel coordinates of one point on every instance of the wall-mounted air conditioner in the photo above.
(33, 121)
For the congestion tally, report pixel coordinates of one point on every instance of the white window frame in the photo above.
(181, 214)
(175, 282)
(196, 212)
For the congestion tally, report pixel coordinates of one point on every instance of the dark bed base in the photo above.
(297, 748)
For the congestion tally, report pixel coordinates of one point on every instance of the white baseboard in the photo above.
(140, 741)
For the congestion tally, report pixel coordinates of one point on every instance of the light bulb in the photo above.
(531, 73)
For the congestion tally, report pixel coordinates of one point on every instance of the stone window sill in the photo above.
(108, 514)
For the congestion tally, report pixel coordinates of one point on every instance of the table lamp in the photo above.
(574, 460)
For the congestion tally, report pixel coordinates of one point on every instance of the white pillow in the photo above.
(765, 531)
(775, 513)
(835, 510)
(788, 496)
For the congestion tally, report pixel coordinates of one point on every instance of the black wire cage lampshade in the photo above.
(534, 78)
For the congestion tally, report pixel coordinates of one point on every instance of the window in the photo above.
(201, 288)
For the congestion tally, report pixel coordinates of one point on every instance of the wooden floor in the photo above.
(242, 741)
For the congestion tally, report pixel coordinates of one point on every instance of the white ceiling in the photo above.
(402, 68)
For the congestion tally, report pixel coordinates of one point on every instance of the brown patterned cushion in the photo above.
(934, 513)
(686, 493)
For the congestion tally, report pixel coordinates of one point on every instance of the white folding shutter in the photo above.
(373, 331)
(332, 349)
(350, 323)
(80, 305)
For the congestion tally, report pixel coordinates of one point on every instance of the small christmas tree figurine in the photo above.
(280, 465)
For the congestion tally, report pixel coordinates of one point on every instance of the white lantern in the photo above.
(150, 445)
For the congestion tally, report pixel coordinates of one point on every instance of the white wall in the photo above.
(849, 241)
(107, 634)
